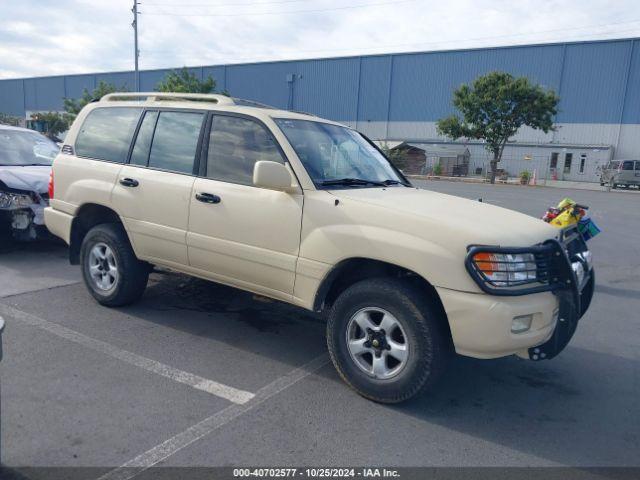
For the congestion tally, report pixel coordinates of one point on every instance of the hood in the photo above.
(453, 219)
(30, 178)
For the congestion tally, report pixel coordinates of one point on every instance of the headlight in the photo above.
(506, 269)
(14, 200)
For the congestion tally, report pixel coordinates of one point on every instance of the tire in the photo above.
(118, 277)
(382, 301)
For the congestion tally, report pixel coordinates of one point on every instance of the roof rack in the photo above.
(156, 96)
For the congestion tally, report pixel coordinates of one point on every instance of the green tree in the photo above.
(183, 81)
(494, 107)
(55, 123)
(396, 157)
(73, 105)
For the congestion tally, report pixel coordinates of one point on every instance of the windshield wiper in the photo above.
(352, 181)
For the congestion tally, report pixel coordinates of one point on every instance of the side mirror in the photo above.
(271, 175)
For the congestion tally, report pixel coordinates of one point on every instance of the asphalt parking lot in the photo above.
(198, 374)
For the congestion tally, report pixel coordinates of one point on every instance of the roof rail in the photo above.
(155, 96)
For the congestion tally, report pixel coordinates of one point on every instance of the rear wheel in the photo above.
(386, 339)
(110, 269)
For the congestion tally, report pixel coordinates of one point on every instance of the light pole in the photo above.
(136, 52)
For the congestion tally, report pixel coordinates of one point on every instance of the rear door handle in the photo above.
(129, 182)
(207, 198)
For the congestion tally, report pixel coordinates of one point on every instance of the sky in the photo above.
(52, 37)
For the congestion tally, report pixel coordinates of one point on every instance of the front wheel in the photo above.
(110, 268)
(386, 339)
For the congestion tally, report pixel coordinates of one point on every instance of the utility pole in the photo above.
(135, 41)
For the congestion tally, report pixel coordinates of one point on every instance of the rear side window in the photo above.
(175, 141)
(627, 165)
(107, 132)
(235, 145)
(140, 153)
(637, 165)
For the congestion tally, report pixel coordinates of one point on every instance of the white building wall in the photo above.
(599, 142)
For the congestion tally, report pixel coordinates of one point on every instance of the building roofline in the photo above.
(343, 57)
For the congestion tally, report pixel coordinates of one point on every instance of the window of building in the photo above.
(554, 161)
(568, 157)
(140, 153)
(235, 145)
(175, 141)
(583, 162)
(107, 132)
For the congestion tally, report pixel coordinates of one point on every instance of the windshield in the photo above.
(26, 148)
(334, 155)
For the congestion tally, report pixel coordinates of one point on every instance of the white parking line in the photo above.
(205, 427)
(214, 388)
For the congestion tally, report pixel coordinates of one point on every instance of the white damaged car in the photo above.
(25, 166)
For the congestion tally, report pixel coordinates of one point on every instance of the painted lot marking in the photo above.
(183, 439)
(199, 383)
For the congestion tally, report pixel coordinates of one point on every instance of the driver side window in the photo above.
(235, 145)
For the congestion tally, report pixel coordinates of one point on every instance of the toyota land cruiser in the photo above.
(310, 212)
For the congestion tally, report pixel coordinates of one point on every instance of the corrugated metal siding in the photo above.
(593, 82)
(12, 97)
(149, 79)
(119, 79)
(218, 73)
(328, 88)
(423, 84)
(373, 100)
(592, 78)
(75, 84)
(263, 83)
(45, 93)
(632, 104)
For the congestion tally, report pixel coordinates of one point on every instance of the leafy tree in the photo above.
(396, 157)
(55, 123)
(494, 107)
(183, 81)
(74, 105)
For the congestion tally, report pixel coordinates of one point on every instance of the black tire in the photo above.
(427, 337)
(133, 274)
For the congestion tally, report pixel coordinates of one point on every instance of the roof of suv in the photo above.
(206, 101)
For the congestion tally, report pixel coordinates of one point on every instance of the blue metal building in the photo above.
(396, 97)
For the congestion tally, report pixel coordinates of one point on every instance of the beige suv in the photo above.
(310, 212)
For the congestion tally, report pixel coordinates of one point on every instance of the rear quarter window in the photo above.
(628, 165)
(106, 133)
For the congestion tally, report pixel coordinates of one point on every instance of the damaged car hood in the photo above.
(29, 178)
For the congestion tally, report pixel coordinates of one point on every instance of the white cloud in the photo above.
(76, 36)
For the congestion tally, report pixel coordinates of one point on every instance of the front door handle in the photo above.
(207, 198)
(129, 182)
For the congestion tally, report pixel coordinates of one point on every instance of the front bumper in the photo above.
(25, 224)
(481, 324)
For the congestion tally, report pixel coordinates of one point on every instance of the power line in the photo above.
(366, 5)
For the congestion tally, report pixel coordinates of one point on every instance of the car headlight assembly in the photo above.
(9, 200)
(506, 269)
